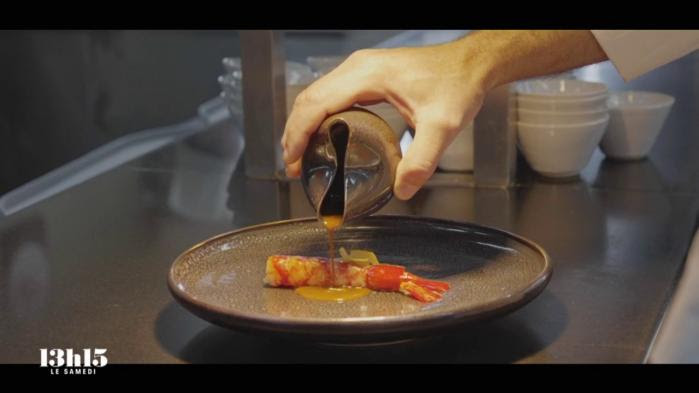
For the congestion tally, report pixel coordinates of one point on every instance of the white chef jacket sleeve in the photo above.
(636, 52)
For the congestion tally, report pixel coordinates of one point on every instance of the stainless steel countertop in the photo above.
(87, 267)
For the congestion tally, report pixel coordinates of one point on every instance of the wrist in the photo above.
(509, 55)
(481, 62)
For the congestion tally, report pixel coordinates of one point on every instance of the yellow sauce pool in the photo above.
(332, 294)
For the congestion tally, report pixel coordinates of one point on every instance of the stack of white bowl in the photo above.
(560, 123)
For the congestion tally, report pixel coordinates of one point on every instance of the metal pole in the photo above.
(494, 140)
(264, 101)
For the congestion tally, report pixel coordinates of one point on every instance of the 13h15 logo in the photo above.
(68, 361)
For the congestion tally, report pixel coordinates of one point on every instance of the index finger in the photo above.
(327, 96)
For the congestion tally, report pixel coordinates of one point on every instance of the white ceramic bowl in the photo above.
(559, 117)
(560, 150)
(562, 89)
(458, 156)
(636, 119)
(593, 103)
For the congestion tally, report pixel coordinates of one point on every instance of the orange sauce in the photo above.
(339, 295)
(331, 224)
(332, 294)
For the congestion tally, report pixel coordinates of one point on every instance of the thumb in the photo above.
(420, 161)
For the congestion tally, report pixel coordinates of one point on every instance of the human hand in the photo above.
(434, 88)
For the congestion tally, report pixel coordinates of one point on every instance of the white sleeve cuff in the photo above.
(636, 52)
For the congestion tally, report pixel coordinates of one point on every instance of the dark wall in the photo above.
(63, 93)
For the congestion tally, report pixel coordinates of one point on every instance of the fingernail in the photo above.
(405, 191)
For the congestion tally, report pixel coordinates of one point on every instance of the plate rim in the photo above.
(375, 324)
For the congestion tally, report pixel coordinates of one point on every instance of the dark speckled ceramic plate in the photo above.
(491, 272)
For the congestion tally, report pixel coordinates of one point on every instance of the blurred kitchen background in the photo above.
(64, 93)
